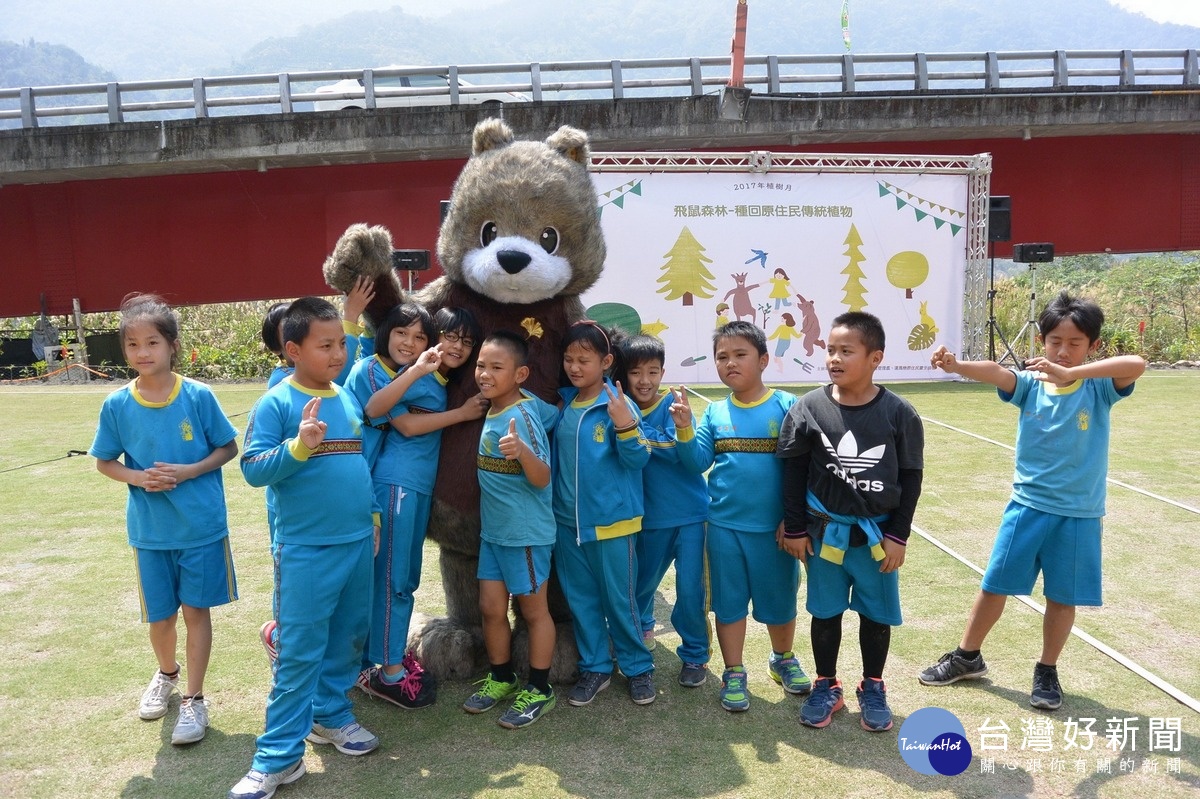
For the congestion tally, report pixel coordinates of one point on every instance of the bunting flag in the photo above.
(940, 214)
(617, 196)
(846, 23)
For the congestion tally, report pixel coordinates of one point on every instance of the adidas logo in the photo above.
(848, 461)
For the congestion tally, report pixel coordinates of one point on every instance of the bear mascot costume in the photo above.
(520, 243)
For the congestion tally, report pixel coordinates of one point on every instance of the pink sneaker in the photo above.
(409, 693)
(269, 635)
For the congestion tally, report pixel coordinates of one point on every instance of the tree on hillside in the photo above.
(33, 63)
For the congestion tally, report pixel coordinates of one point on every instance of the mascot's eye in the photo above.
(487, 233)
(549, 240)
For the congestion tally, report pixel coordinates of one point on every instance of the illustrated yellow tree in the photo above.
(684, 275)
(855, 296)
(907, 270)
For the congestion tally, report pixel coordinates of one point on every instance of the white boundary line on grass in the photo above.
(1115, 482)
(1153, 679)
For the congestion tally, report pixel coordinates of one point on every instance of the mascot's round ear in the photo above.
(571, 142)
(490, 134)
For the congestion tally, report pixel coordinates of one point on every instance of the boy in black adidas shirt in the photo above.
(852, 474)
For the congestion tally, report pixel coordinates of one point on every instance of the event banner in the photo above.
(690, 251)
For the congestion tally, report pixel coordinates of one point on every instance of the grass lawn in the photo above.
(75, 657)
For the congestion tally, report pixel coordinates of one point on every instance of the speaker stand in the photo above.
(994, 330)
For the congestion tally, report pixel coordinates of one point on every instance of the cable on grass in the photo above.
(71, 453)
(61, 370)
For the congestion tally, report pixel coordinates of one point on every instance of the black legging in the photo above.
(873, 639)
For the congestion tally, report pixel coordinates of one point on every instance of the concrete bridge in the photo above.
(219, 208)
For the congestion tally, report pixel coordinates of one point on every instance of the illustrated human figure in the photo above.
(783, 335)
(781, 289)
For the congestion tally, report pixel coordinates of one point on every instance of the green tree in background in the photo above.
(1151, 302)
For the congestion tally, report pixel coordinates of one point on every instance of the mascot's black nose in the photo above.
(512, 261)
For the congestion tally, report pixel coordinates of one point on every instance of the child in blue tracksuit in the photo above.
(599, 453)
(737, 437)
(270, 340)
(676, 508)
(403, 392)
(304, 439)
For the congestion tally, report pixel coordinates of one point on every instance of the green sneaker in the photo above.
(787, 672)
(733, 691)
(491, 691)
(529, 706)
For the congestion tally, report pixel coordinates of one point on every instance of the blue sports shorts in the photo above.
(521, 569)
(1065, 549)
(856, 584)
(750, 568)
(201, 577)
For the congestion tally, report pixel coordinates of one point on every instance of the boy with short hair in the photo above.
(517, 531)
(676, 508)
(737, 437)
(853, 458)
(1053, 520)
(304, 439)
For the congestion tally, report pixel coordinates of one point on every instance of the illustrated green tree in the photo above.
(684, 275)
(907, 270)
(855, 296)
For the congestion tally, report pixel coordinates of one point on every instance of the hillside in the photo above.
(228, 37)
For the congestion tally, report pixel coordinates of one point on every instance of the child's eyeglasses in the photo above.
(455, 338)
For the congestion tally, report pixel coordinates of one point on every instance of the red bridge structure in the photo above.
(218, 208)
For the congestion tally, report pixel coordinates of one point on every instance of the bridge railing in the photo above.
(1037, 71)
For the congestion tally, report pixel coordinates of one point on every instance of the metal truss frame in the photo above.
(977, 168)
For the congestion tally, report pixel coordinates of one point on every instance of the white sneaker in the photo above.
(260, 785)
(192, 723)
(350, 739)
(157, 696)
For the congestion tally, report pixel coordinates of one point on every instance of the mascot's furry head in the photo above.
(523, 224)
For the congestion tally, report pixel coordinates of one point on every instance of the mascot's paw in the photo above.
(364, 251)
(447, 649)
(360, 251)
(564, 668)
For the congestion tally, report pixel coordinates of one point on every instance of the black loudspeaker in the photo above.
(1033, 253)
(410, 260)
(999, 218)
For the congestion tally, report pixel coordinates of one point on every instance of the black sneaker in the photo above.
(1047, 693)
(590, 683)
(693, 675)
(952, 668)
(641, 688)
(409, 693)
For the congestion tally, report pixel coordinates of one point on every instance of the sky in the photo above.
(1183, 12)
